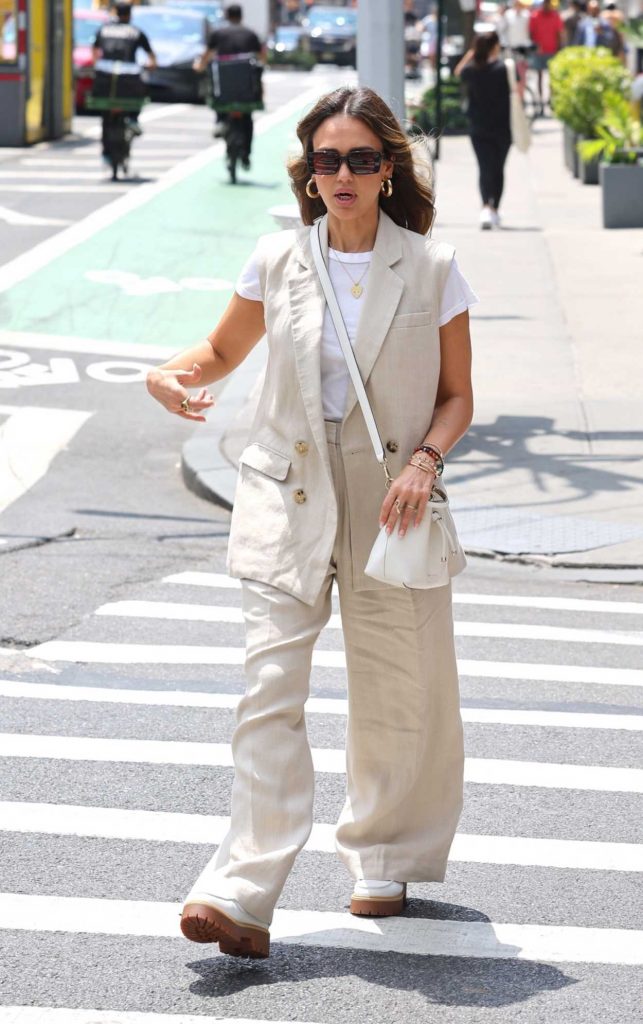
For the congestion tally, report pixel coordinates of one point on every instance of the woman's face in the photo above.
(346, 195)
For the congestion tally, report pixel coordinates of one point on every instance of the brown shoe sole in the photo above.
(202, 923)
(383, 906)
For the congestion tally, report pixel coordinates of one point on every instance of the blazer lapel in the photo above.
(307, 306)
(381, 299)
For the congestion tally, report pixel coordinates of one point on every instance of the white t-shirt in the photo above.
(345, 270)
(513, 28)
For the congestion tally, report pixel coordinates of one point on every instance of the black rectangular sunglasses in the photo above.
(328, 161)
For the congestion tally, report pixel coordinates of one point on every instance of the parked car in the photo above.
(210, 9)
(178, 35)
(86, 25)
(333, 34)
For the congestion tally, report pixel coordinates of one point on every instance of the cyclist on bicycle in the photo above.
(233, 38)
(120, 41)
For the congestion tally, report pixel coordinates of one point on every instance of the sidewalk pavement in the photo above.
(551, 469)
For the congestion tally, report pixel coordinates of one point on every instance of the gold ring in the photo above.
(185, 404)
(397, 505)
(413, 508)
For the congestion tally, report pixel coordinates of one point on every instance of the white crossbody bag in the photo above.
(430, 554)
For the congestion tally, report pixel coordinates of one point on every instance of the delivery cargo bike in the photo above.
(118, 92)
(236, 91)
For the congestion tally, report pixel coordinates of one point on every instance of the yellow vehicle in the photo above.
(36, 83)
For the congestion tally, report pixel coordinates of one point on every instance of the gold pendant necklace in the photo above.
(356, 290)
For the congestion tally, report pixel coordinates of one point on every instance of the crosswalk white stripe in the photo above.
(44, 173)
(487, 771)
(411, 936)
(219, 580)
(89, 162)
(192, 654)
(65, 1015)
(314, 705)
(499, 630)
(165, 826)
(113, 186)
(573, 604)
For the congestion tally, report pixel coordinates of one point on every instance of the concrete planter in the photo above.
(622, 191)
(587, 171)
(570, 139)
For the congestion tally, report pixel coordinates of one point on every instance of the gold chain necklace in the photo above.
(356, 290)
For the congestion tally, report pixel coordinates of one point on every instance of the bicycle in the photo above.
(119, 111)
(236, 91)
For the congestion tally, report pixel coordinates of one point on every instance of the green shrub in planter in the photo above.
(618, 147)
(618, 134)
(454, 118)
(580, 78)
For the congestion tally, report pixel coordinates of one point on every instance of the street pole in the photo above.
(438, 79)
(380, 50)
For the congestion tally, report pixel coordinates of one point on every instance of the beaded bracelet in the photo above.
(430, 446)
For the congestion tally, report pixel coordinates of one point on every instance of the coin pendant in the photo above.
(356, 291)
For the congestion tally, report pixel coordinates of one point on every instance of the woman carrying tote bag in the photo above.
(486, 78)
(310, 500)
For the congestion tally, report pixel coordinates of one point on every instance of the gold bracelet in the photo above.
(426, 465)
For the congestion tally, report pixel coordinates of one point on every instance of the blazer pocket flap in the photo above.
(267, 461)
(422, 319)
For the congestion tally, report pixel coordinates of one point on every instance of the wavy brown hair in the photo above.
(411, 205)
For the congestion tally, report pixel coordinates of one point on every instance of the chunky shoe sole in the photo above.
(202, 923)
(379, 906)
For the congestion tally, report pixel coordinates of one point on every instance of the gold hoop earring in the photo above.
(386, 188)
(309, 191)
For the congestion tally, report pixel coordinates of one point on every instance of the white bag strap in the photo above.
(511, 74)
(347, 350)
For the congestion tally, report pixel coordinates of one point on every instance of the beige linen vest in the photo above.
(285, 513)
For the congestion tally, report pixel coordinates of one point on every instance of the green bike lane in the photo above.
(163, 272)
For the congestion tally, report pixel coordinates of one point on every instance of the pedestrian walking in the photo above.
(484, 74)
(599, 28)
(572, 19)
(548, 36)
(512, 27)
(309, 503)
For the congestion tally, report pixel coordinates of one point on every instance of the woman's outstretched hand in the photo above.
(169, 387)
(406, 500)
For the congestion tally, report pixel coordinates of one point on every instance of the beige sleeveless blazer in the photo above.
(285, 513)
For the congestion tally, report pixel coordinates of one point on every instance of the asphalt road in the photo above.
(115, 719)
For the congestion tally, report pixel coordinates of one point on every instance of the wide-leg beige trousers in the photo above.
(403, 744)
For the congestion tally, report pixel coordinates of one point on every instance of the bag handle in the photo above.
(510, 66)
(347, 350)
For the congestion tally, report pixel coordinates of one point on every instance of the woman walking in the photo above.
(309, 502)
(484, 74)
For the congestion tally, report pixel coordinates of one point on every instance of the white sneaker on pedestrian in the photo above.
(495, 219)
(375, 898)
(209, 918)
(486, 219)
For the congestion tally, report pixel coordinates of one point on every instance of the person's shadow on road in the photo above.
(455, 981)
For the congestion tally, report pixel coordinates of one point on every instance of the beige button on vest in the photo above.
(288, 543)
